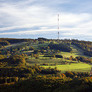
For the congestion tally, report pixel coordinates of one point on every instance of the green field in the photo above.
(78, 67)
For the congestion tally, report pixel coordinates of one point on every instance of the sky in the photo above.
(39, 18)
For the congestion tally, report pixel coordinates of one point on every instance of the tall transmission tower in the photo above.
(58, 26)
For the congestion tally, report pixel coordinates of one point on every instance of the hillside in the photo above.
(57, 65)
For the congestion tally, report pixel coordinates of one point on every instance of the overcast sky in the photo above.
(38, 18)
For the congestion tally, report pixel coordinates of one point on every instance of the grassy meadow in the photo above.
(78, 67)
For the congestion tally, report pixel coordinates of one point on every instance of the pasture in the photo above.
(78, 67)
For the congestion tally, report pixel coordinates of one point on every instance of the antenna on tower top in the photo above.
(58, 26)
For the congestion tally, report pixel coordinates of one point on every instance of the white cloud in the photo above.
(13, 16)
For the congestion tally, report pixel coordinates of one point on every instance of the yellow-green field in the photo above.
(78, 67)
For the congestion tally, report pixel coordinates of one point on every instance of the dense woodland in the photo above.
(17, 76)
(62, 47)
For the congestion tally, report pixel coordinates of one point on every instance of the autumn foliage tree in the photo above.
(17, 59)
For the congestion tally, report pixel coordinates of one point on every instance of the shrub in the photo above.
(58, 56)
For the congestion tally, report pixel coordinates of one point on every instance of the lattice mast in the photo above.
(58, 26)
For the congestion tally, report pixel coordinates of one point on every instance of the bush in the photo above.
(31, 48)
(58, 56)
(69, 74)
(2, 57)
(49, 71)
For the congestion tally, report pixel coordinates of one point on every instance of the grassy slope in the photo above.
(79, 67)
(75, 52)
